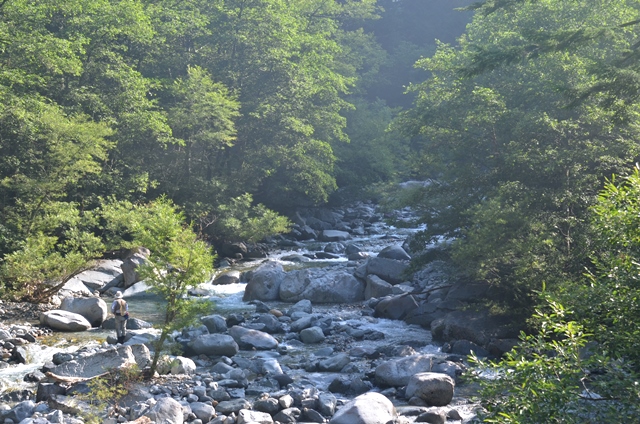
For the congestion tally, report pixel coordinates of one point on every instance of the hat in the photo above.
(118, 295)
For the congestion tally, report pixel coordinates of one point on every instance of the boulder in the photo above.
(376, 287)
(215, 323)
(334, 363)
(312, 335)
(93, 309)
(230, 277)
(166, 411)
(398, 371)
(334, 235)
(368, 408)
(394, 252)
(227, 407)
(264, 283)
(105, 273)
(321, 287)
(203, 411)
(334, 247)
(102, 361)
(252, 339)
(182, 365)
(390, 270)
(214, 345)
(396, 307)
(303, 305)
(433, 388)
(129, 265)
(64, 321)
(246, 416)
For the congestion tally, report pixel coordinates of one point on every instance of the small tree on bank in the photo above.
(178, 261)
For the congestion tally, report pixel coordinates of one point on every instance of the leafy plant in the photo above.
(107, 390)
(556, 376)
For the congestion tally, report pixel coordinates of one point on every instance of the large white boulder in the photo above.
(434, 388)
(369, 408)
(64, 320)
(93, 309)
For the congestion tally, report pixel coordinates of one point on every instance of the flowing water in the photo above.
(228, 299)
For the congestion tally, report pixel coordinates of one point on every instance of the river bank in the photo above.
(359, 345)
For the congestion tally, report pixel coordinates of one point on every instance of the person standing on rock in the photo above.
(120, 310)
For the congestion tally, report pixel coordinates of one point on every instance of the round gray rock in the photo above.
(93, 309)
(166, 411)
(215, 345)
(369, 408)
(434, 388)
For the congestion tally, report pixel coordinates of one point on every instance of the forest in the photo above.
(522, 115)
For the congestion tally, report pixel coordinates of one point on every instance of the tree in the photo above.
(178, 261)
(513, 169)
(556, 375)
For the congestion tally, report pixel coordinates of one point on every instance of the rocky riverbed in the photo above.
(338, 333)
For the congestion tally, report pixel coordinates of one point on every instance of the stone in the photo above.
(303, 305)
(477, 326)
(333, 235)
(376, 287)
(390, 270)
(434, 388)
(93, 309)
(271, 324)
(265, 283)
(465, 348)
(269, 405)
(46, 390)
(433, 417)
(312, 335)
(321, 286)
(334, 363)
(394, 252)
(252, 339)
(129, 265)
(227, 407)
(288, 415)
(214, 345)
(166, 411)
(203, 411)
(398, 371)
(449, 368)
(230, 277)
(396, 307)
(100, 362)
(21, 411)
(215, 323)
(334, 247)
(64, 321)
(368, 408)
(468, 292)
(246, 416)
(182, 365)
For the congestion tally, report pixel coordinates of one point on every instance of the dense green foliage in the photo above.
(232, 109)
(557, 376)
(515, 161)
(518, 129)
(582, 365)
